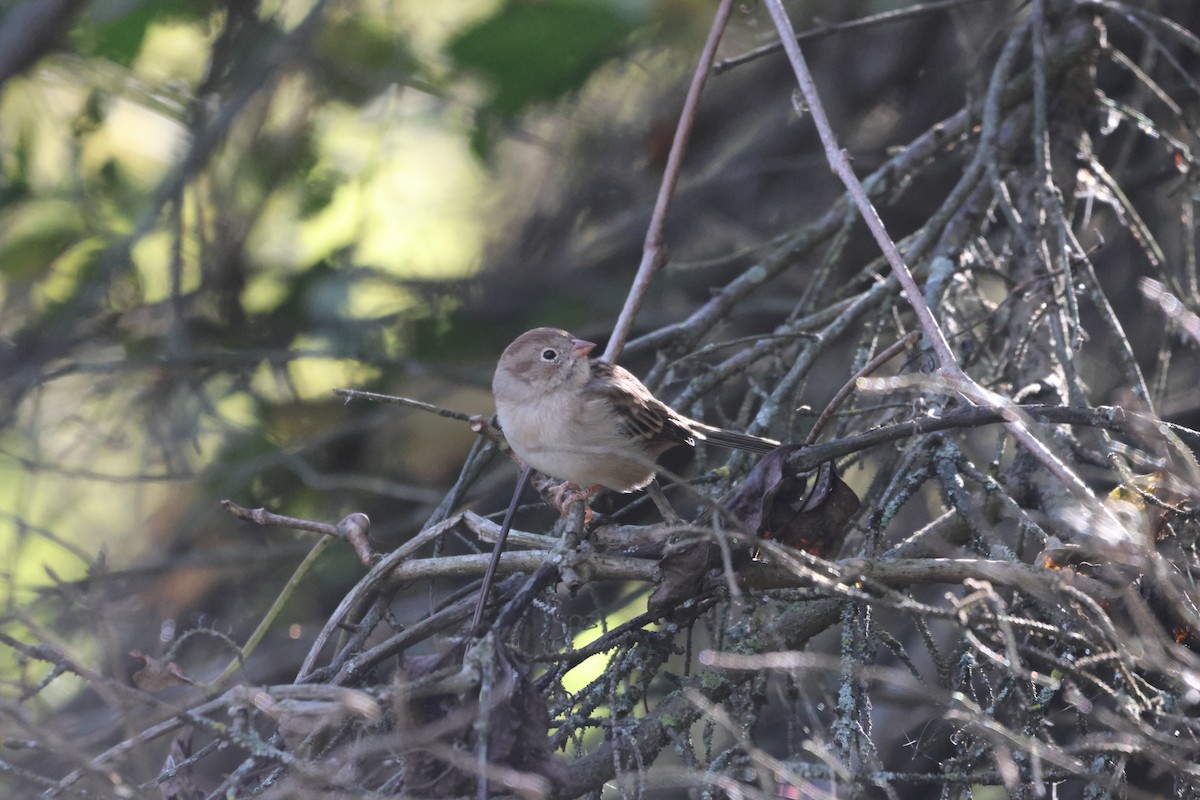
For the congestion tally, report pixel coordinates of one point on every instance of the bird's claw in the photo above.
(568, 494)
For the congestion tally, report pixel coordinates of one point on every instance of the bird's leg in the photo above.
(568, 494)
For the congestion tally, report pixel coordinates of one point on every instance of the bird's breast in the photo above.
(574, 441)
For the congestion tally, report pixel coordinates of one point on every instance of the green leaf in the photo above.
(532, 52)
(357, 58)
(34, 233)
(120, 39)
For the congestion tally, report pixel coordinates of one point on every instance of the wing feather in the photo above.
(641, 415)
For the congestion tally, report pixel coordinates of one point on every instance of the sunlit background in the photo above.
(157, 328)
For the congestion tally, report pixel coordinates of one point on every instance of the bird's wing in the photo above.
(640, 414)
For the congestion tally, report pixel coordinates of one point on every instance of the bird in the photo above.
(588, 422)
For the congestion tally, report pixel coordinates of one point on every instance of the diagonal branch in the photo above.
(654, 252)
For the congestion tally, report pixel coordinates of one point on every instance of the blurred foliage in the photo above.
(210, 216)
(118, 34)
(533, 53)
(536, 52)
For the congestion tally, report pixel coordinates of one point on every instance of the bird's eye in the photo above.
(549, 354)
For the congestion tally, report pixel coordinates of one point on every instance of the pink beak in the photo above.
(580, 348)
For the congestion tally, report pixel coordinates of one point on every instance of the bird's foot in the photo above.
(568, 494)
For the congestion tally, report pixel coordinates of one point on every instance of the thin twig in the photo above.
(352, 529)
(848, 388)
(654, 254)
(498, 548)
(955, 379)
(355, 394)
(831, 29)
(841, 166)
(368, 584)
(1187, 320)
(273, 612)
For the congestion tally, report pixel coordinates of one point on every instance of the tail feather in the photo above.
(733, 439)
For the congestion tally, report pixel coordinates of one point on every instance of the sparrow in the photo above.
(590, 423)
